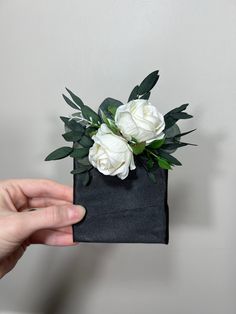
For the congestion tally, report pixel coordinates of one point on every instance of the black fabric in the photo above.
(133, 210)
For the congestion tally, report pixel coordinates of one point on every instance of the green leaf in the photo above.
(79, 152)
(156, 144)
(73, 124)
(86, 141)
(146, 96)
(90, 115)
(152, 176)
(76, 99)
(72, 136)
(69, 102)
(110, 123)
(163, 163)
(173, 145)
(178, 136)
(138, 148)
(171, 159)
(104, 117)
(172, 131)
(169, 121)
(174, 115)
(179, 109)
(112, 109)
(148, 83)
(81, 168)
(176, 145)
(109, 103)
(59, 153)
(134, 94)
(90, 131)
(181, 115)
(150, 164)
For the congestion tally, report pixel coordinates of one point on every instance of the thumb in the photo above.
(44, 218)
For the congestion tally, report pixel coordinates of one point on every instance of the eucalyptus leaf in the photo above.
(163, 163)
(86, 141)
(90, 131)
(59, 153)
(148, 83)
(110, 123)
(174, 145)
(157, 143)
(134, 94)
(73, 124)
(109, 103)
(171, 159)
(169, 121)
(178, 136)
(79, 152)
(146, 96)
(172, 131)
(112, 109)
(76, 99)
(175, 114)
(72, 136)
(69, 102)
(90, 115)
(81, 168)
(181, 115)
(178, 109)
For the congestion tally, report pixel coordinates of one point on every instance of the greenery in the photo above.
(84, 123)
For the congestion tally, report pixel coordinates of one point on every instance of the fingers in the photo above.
(40, 202)
(50, 237)
(32, 188)
(26, 223)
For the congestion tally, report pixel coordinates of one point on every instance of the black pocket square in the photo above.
(133, 210)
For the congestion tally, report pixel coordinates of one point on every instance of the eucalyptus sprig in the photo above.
(84, 123)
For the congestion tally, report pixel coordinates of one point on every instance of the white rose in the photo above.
(111, 154)
(141, 120)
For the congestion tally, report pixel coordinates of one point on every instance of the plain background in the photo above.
(104, 48)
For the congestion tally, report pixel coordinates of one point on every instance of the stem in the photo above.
(150, 152)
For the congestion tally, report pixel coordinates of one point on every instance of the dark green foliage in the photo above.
(143, 91)
(59, 153)
(108, 107)
(138, 148)
(148, 83)
(86, 141)
(79, 152)
(72, 136)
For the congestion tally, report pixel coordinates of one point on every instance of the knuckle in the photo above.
(52, 214)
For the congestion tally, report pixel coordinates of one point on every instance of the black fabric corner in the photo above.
(133, 210)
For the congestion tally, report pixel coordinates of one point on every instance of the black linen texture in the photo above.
(133, 210)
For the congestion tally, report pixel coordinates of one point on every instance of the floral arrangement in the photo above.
(121, 135)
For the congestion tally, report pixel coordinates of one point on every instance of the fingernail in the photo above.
(76, 212)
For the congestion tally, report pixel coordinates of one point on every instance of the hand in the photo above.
(49, 224)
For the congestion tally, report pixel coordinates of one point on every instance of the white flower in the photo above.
(141, 120)
(111, 154)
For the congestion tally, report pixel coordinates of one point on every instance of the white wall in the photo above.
(99, 49)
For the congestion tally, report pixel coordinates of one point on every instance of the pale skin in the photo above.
(50, 222)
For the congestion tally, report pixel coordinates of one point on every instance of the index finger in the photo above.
(43, 188)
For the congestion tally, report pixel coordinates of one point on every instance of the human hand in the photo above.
(50, 224)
